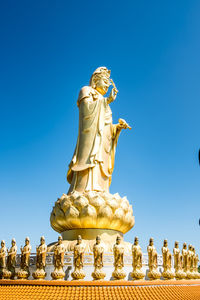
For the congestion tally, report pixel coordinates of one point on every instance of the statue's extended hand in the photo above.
(123, 124)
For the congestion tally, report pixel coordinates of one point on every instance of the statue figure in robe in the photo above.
(93, 161)
(167, 262)
(137, 272)
(98, 251)
(24, 272)
(88, 203)
(78, 260)
(184, 255)
(178, 262)
(118, 251)
(153, 261)
(41, 252)
(3, 252)
(11, 259)
(58, 258)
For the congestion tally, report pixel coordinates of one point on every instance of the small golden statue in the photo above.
(153, 261)
(184, 256)
(137, 273)
(41, 252)
(24, 272)
(118, 251)
(178, 262)
(192, 264)
(98, 251)
(11, 260)
(59, 252)
(167, 262)
(3, 251)
(189, 263)
(78, 260)
(196, 260)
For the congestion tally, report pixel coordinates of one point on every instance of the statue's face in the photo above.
(79, 240)
(59, 241)
(102, 85)
(26, 242)
(151, 242)
(165, 243)
(42, 241)
(118, 241)
(136, 241)
(98, 240)
(13, 243)
(2, 244)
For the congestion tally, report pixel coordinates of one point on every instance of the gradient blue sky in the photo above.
(48, 51)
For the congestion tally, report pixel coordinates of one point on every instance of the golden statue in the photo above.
(24, 272)
(184, 256)
(3, 251)
(196, 260)
(11, 259)
(93, 161)
(78, 260)
(41, 252)
(98, 251)
(178, 262)
(88, 203)
(59, 252)
(118, 251)
(167, 262)
(189, 263)
(137, 272)
(153, 261)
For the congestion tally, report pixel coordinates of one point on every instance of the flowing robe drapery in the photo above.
(93, 160)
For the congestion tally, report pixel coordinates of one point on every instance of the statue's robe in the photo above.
(93, 160)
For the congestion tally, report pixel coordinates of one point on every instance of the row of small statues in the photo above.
(185, 263)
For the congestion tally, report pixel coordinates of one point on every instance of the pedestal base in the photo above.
(108, 239)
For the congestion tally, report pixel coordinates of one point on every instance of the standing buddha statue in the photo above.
(153, 273)
(137, 272)
(98, 251)
(178, 262)
(167, 262)
(24, 272)
(118, 251)
(78, 260)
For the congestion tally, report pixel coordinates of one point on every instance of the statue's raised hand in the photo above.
(113, 95)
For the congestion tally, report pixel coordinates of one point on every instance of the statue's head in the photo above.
(190, 247)
(136, 240)
(176, 244)
(27, 240)
(100, 80)
(118, 240)
(151, 241)
(184, 246)
(13, 242)
(42, 240)
(2, 243)
(98, 239)
(79, 239)
(60, 240)
(165, 243)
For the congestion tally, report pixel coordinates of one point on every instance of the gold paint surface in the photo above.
(88, 203)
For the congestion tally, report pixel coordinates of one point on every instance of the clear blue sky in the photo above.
(48, 51)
